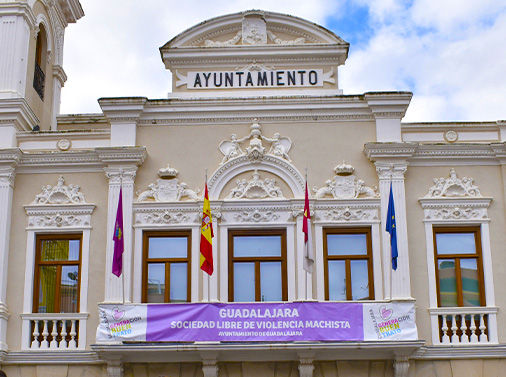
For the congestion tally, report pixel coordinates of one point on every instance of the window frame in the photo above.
(38, 263)
(257, 260)
(347, 258)
(478, 256)
(146, 235)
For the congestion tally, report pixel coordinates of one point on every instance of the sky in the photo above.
(450, 53)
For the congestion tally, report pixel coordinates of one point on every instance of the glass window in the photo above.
(459, 267)
(166, 267)
(257, 265)
(57, 272)
(348, 264)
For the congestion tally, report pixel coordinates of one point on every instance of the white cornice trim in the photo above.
(50, 357)
(17, 112)
(18, 9)
(460, 352)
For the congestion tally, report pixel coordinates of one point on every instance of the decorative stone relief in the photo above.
(165, 217)
(57, 221)
(60, 194)
(254, 29)
(167, 188)
(456, 213)
(279, 41)
(451, 136)
(255, 188)
(453, 187)
(230, 42)
(348, 214)
(63, 144)
(255, 151)
(256, 216)
(344, 186)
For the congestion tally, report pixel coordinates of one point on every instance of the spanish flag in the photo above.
(206, 237)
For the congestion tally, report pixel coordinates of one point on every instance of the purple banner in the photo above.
(265, 322)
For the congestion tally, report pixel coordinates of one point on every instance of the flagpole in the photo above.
(390, 267)
(208, 276)
(123, 272)
(305, 285)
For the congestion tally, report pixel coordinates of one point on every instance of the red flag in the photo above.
(308, 239)
(206, 237)
(117, 259)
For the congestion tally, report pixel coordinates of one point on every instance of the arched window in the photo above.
(39, 76)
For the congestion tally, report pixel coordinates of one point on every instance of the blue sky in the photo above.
(451, 54)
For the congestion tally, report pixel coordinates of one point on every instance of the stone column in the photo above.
(394, 173)
(118, 289)
(7, 175)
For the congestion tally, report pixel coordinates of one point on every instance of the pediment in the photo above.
(254, 27)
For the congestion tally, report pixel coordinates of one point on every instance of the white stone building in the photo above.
(256, 102)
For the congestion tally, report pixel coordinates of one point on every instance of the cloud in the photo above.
(449, 53)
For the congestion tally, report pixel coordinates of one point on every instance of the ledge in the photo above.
(251, 352)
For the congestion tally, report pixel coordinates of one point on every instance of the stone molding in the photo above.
(346, 211)
(59, 216)
(457, 209)
(17, 112)
(148, 214)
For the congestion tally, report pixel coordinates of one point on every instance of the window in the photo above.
(348, 264)
(257, 265)
(459, 272)
(166, 267)
(57, 274)
(39, 77)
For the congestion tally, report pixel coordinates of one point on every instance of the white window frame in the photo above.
(55, 219)
(349, 213)
(463, 211)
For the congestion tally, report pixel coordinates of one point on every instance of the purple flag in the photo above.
(117, 259)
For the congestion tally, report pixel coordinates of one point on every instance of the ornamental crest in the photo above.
(453, 187)
(60, 194)
(278, 145)
(344, 185)
(255, 188)
(167, 188)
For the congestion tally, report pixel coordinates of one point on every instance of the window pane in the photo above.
(59, 250)
(261, 246)
(470, 281)
(68, 290)
(178, 282)
(337, 280)
(347, 244)
(359, 280)
(455, 243)
(156, 282)
(447, 282)
(244, 282)
(168, 247)
(47, 289)
(270, 281)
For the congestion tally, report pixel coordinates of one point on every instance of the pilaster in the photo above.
(8, 162)
(15, 115)
(115, 368)
(59, 80)
(16, 22)
(391, 165)
(121, 171)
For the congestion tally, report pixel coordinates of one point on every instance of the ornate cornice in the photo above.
(455, 209)
(389, 151)
(58, 216)
(17, 112)
(122, 156)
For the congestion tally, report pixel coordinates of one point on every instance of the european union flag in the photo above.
(391, 228)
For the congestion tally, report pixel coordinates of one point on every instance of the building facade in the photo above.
(257, 112)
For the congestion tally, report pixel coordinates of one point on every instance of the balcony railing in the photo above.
(54, 331)
(39, 80)
(464, 326)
